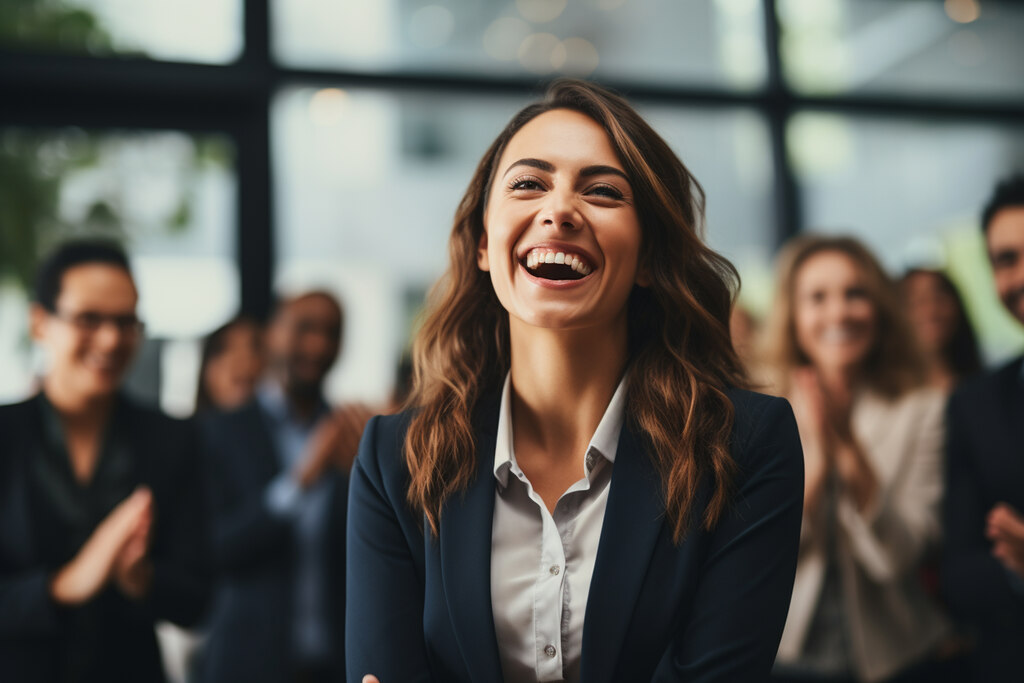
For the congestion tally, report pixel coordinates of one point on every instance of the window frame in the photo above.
(50, 90)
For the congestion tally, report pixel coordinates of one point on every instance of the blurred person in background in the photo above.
(944, 333)
(842, 353)
(102, 529)
(279, 511)
(230, 366)
(983, 557)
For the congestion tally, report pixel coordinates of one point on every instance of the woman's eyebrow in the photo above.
(602, 170)
(534, 163)
(597, 169)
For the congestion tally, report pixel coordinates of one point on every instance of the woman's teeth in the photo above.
(538, 257)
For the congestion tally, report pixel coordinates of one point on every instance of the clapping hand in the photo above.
(335, 442)
(1005, 528)
(133, 570)
(116, 549)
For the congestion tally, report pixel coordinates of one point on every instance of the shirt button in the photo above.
(554, 570)
(550, 651)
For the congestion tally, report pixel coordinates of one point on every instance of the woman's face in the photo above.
(836, 321)
(232, 374)
(931, 310)
(562, 236)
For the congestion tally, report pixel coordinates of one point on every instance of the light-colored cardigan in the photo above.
(891, 620)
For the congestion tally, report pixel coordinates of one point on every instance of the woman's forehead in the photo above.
(560, 137)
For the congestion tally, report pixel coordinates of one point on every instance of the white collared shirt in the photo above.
(541, 564)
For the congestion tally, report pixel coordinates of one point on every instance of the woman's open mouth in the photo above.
(550, 264)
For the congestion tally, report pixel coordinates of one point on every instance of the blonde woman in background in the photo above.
(839, 349)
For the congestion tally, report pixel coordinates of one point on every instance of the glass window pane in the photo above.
(962, 48)
(170, 197)
(204, 31)
(653, 41)
(729, 152)
(368, 182)
(913, 191)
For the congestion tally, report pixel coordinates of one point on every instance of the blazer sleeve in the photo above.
(734, 627)
(890, 537)
(25, 604)
(385, 583)
(974, 582)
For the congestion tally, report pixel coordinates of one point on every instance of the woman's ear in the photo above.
(37, 322)
(481, 252)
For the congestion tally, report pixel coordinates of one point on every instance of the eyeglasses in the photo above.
(90, 322)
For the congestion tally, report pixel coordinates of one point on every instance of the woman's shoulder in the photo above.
(380, 453)
(763, 426)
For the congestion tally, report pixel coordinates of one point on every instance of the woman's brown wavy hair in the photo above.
(893, 365)
(680, 357)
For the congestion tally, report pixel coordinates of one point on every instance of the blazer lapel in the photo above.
(465, 538)
(632, 522)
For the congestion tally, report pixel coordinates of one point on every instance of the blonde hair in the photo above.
(893, 365)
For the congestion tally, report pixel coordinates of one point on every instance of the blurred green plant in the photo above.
(34, 165)
(51, 25)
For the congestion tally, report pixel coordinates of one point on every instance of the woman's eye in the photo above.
(606, 191)
(857, 293)
(525, 184)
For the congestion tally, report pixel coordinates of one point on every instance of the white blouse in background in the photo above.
(541, 564)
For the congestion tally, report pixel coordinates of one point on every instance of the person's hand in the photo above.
(856, 473)
(334, 443)
(133, 570)
(89, 571)
(808, 402)
(1005, 528)
(838, 413)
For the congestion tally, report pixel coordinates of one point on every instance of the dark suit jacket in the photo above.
(251, 620)
(32, 628)
(710, 608)
(985, 466)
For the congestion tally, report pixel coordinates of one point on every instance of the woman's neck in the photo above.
(75, 410)
(562, 382)
(938, 373)
(840, 379)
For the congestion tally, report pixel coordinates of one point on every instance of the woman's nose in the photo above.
(560, 211)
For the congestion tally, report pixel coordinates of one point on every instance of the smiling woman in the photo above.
(843, 353)
(581, 489)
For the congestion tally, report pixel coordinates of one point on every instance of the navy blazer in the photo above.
(32, 626)
(251, 621)
(710, 608)
(985, 466)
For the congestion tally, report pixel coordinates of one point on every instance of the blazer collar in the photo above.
(465, 538)
(632, 522)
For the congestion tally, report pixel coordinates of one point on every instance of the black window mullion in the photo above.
(255, 229)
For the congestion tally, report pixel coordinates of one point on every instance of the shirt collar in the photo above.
(272, 399)
(604, 443)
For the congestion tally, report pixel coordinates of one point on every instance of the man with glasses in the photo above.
(102, 530)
